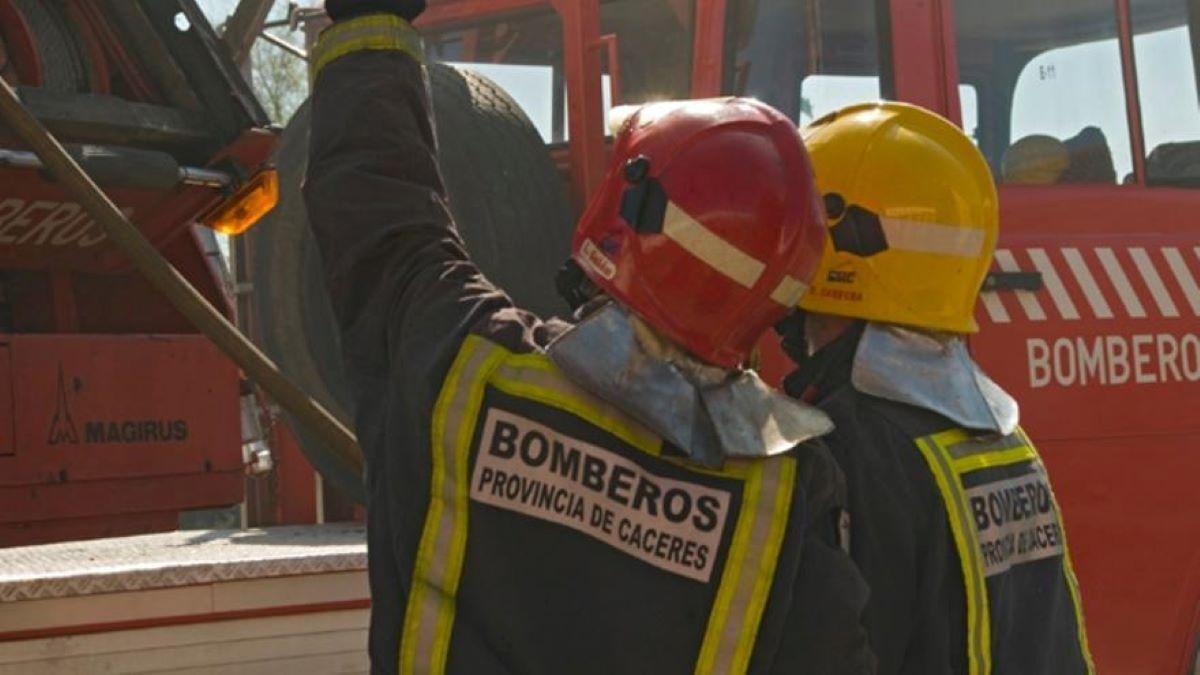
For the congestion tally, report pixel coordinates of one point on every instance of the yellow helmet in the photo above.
(913, 217)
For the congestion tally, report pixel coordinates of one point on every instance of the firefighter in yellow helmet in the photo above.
(954, 523)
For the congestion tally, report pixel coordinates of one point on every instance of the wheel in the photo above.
(506, 196)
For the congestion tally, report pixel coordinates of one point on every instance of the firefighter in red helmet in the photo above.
(615, 496)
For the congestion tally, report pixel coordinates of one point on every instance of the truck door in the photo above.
(1087, 112)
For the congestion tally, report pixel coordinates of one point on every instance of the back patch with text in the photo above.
(1016, 520)
(529, 468)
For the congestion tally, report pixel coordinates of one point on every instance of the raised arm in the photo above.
(398, 275)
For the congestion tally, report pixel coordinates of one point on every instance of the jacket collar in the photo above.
(710, 415)
(931, 371)
(925, 370)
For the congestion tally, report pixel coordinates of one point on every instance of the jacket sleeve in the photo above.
(830, 591)
(401, 283)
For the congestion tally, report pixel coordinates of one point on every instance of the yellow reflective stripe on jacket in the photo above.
(429, 616)
(373, 32)
(1073, 584)
(749, 567)
(951, 454)
(979, 632)
(753, 552)
(535, 377)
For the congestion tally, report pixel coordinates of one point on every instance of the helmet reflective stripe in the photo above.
(921, 237)
(789, 291)
(708, 246)
(724, 257)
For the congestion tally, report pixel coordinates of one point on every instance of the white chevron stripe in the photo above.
(1116, 275)
(1184, 276)
(1083, 276)
(1150, 275)
(994, 307)
(1007, 263)
(1058, 293)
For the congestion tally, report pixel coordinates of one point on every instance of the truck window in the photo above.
(823, 94)
(524, 55)
(654, 38)
(1164, 51)
(1050, 94)
(521, 54)
(805, 57)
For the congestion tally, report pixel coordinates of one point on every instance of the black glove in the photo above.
(339, 10)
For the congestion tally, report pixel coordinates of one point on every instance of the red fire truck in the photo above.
(1087, 111)
(1092, 315)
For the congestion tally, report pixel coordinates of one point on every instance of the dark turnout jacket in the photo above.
(515, 523)
(903, 539)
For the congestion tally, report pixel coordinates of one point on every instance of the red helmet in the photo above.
(708, 225)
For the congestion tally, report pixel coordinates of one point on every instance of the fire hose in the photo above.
(173, 285)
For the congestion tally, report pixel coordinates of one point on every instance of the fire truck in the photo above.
(1087, 111)
(1091, 317)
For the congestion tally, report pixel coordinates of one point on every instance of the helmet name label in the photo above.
(1016, 521)
(596, 261)
(529, 468)
(845, 295)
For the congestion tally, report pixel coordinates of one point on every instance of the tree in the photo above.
(280, 79)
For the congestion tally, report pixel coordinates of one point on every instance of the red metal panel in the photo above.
(7, 413)
(40, 227)
(118, 499)
(1133, 109)
(708, 56)
(1130, 511)
(443, 12)
(95, 407)
(116, 435)
(925, 65)
(297, 495)
(581, 65)
(29, 533)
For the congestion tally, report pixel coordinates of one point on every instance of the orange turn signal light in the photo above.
(251, 202)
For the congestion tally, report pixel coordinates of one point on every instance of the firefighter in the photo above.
(612, 496)
(955, 525)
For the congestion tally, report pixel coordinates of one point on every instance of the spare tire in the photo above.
(508, 200)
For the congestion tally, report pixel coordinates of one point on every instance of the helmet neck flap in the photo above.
(707, 413)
